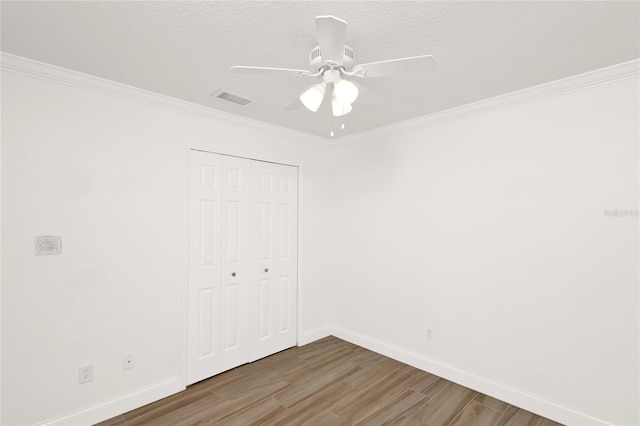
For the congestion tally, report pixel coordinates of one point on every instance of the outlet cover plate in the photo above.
(128, 361)
(85, 373)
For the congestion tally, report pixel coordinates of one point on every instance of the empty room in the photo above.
(320, 213)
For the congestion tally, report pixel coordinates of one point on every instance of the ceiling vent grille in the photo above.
(233, 97)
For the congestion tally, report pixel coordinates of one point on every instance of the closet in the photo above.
(242, 261)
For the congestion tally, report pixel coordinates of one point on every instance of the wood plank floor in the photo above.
(328, 382)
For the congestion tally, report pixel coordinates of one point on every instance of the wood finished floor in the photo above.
(328, 382)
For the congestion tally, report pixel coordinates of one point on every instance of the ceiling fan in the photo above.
(332, 60)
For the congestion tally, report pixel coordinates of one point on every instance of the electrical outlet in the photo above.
(128, 361)
(85, 373)
(429, 334)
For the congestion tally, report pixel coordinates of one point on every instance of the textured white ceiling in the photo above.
(184, 49)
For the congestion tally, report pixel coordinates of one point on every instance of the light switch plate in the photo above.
(48, 244)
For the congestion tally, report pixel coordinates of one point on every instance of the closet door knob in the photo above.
(233, 274)
(266, 269)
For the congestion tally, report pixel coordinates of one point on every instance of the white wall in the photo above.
(106, 173)
(491, 229)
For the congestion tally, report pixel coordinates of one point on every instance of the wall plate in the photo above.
(48, 244)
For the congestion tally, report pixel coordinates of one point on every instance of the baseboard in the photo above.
(314, 334)
(122, 404)
(500, 391)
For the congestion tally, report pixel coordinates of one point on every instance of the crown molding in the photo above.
(40, 70)
(614, 73)
(31, 68)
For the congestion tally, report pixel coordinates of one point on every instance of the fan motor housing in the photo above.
(315, 59)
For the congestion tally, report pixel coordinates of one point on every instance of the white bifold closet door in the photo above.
(274, 230)
(242, 282)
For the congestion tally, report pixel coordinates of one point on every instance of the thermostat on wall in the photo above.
(48, 244)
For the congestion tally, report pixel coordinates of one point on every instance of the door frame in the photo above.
(184, 272)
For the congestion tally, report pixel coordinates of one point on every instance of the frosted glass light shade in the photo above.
(313, 96)
(345, 91)
(339, 109)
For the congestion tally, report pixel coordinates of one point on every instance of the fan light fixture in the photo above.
(313, 96)
(338, 108)
(345, 91)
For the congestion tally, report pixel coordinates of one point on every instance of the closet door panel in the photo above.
(236, 181)
(274, 264)
(203, 328)
(287, 258)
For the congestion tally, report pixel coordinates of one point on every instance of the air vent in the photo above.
(233, 97)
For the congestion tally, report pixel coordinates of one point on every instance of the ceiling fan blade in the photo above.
(269, 71)
(332, 35)
(413, 65)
